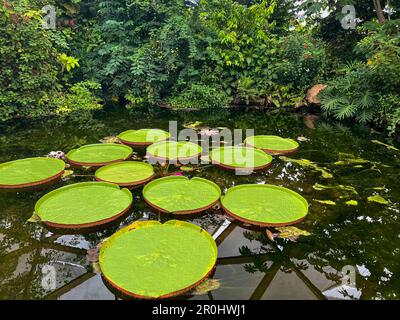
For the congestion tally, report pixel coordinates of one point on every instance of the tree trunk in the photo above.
(379, 11)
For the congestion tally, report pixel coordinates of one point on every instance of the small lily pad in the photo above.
(174, 151)
(264, 205)
(244, 158)
(126, 174)
(143, 137)
(152, 260)
(273, 144)
(181, 195)
(98, 155)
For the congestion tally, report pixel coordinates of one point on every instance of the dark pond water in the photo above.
(364, 238)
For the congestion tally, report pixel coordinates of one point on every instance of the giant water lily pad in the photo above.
(83, 205)
(126, 174)
(153, 260)
(180, 195)
(240, 158)
(174, 151)
(143, 137)
(264, 205)
(30, 172)
(97, 155)
(273, 144)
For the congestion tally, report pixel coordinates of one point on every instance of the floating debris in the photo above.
(291, 233)
(56, 155)
(302, 139)
(110, 139)
(206, 286)
(378, 199)
(320, 187)
(309, 164)
(328, 202)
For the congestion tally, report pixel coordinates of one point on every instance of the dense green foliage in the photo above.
(141, 53)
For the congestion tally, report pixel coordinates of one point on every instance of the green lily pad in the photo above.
(97, 155)
(273, 144)
(143, 137)
(29, 172)
(265, 205)
(172, 150)
(83, 205)
(127, 173)
(240, 158)
(152, 260)
(181, 195)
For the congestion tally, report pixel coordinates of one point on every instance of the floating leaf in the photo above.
(99, 154)
(309, 164)
(181, 195)
(30, 172)
(378, 199)
(192, 125)
(143, 137)
(320, 187)
(67, 173)
(126, 173)
(291, 233)
(352, 203)
(206, 286)
(171, 258)
(264, 205)
(82, 205)
(34, 219)
(272, 144)
(96, 267)
(240, 158)
(388, 146)
(111, 139)
(328, 202)
(187, 168)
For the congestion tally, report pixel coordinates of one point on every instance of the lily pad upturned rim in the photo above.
(38, 183)
(97, 164)
(272, 151)
(83, 225)
(147, 224)
(262, 224)
(158, 158)
(183, 178)
(128, 184)
(140, 144)
(229, 167)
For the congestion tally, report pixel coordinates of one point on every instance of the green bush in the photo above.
(200, 96)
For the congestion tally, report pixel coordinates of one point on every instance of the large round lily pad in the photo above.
(25, 173)
(126, 174)
(143, 137)
(174, 151)
(151, 260)
(265, 205)
(97, 155)
(83, 205)
(240, 158)
(181, 195)
(273, 144)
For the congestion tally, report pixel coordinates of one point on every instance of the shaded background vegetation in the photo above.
(209, 54)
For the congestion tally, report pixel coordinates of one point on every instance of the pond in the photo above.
(363, 237)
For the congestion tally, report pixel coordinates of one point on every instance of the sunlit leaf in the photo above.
(328, 202)
(388, 146)
(206, 286)
(378, 199)
(320, 187)
(352, 203)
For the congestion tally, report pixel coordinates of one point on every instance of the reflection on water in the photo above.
(365, 237)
